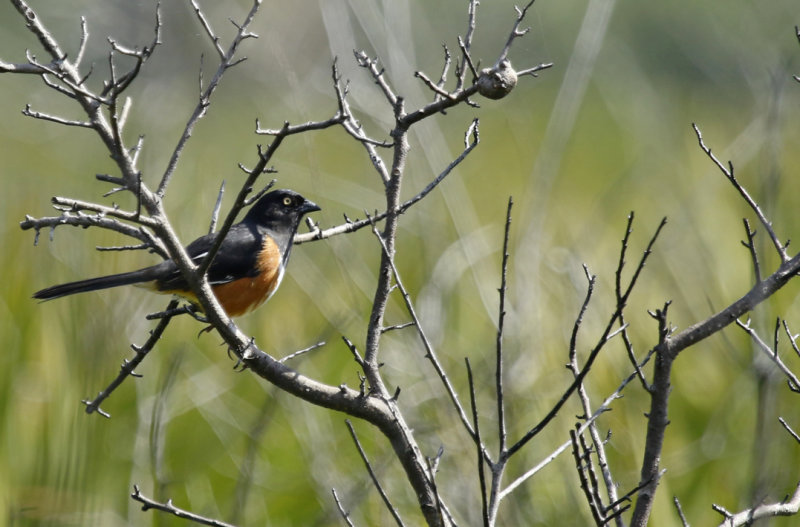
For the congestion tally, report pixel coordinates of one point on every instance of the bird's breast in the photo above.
(245, 294)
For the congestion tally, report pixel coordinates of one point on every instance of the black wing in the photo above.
(236, 258)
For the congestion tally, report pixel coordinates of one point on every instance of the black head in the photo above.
(280, 209)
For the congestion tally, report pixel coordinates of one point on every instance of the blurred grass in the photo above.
(661, 67)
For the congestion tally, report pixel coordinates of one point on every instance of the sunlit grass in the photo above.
(188, 429)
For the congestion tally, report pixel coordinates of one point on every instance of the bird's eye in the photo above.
(287, 201)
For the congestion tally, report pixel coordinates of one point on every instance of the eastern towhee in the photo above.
(246, 271)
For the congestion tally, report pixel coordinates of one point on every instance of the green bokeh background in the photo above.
(604, 132)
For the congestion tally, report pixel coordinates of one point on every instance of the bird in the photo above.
(246, 271)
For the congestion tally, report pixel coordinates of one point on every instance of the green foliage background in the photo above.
(193, 430)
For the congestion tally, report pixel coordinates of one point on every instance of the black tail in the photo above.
(93, 284)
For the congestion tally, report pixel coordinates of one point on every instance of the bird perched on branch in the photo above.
(246, 270)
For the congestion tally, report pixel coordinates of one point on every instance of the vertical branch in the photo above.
(602, 460)
(582, 461)
(389, 236)
(501, 417)
(657, 421)
(478, 445)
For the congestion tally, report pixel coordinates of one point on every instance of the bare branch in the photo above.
(302, 351)
(465, 45)
(83, 42)
(81, 219)
(289, 129)
(227, 61)
(772, 354)
(479, 445)
(789, 429)
(371, 65)
(578, 379)
(436, 88)
(74, 205)
(215, 213)
(148, 503)
(501, 317)
(751, 246)
(129, 366)
(728, 172)
(373, 476)
(25, 68)
(430, 353)
(586, 405)
(535, 69)
(54, 118)
(788, 507)
(582, 463)
(684, 522)
(207, 27)
(351, 226)
(604, 407)
(345, 515)
(516, 32)
(621, 301)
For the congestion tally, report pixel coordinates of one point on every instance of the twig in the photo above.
(430, 353)
(83, 42)
(501, 316)
(227, 61)
(535, 69)
(74, 205)
(604, 407)
(584, 481)
(436, 88)
(792, 338)
(479, 447)
(148, 503)
(395, 327)
(345, 515)
(751, 246)
(354, 350)
(586, 405)
(354, 225)
(54, 118)
(302, 351)
(129, 366)
(789, 429)
(114, 248)
(355, 129)
(622, 301)
(465, 45)
(371, 65)
(728, 172)
(93, 220)
(292, 129)
(516, 32)
(787, 507)
(207, 27)
(384, 496)
(794, 382)
(445, 67)
(607, 333)
(215, 213)
(684, 522)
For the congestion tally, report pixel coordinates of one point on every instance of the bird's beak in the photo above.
(309, 206)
